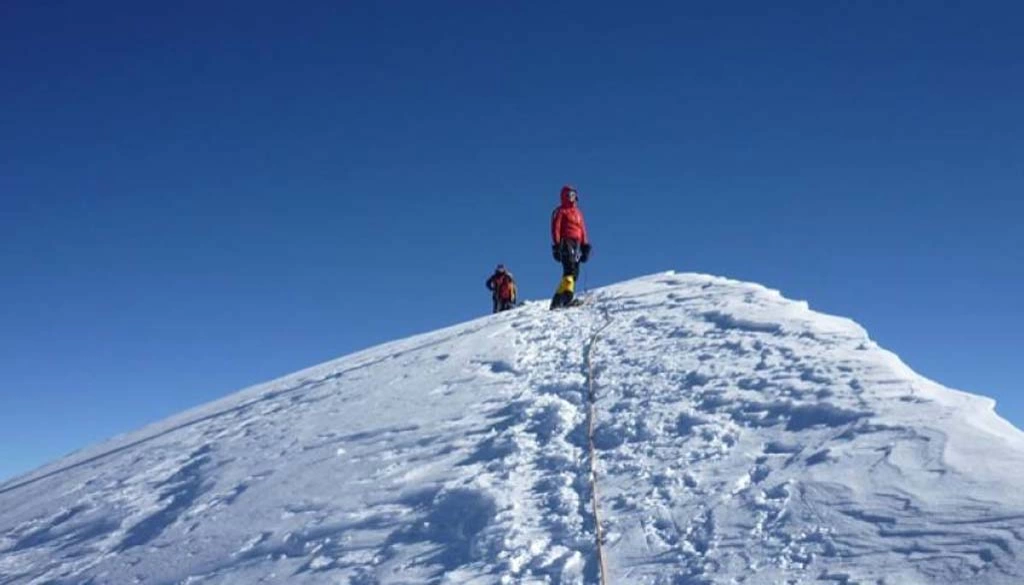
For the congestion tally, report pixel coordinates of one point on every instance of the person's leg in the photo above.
(571, 267)
(568, 266)
(570, 270)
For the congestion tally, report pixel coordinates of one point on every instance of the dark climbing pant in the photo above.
(570, 253)
(500, 305)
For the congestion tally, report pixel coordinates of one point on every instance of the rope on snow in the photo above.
(592, 451)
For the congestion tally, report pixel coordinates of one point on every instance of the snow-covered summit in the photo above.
(739, 437)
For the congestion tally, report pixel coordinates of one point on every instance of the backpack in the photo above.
(505, 289)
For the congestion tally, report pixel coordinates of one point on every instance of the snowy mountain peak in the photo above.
(738, 437)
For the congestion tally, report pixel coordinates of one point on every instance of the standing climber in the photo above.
(503, 289)
(570, 247)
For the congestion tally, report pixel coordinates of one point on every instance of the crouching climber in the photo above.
(503, 289)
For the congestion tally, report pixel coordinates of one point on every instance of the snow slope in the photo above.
(739, 438)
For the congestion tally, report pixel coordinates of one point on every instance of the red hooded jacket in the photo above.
(567, 221)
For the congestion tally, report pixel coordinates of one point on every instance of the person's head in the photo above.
(500, 268)
(569, 195)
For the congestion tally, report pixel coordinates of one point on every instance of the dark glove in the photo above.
(556, 252)
(584, 252)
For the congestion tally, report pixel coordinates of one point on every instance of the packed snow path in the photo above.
(741, 438)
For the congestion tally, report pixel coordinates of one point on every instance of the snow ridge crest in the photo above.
(740, 438)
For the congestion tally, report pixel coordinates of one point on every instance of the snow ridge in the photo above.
(739, 438)
(773, 446)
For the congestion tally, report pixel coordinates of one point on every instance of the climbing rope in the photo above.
(592, 451)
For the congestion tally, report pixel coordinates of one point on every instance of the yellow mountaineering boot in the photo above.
(565, 292)
(568, 285)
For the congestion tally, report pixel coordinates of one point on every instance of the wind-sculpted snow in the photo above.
(741, 438)
(749, 440)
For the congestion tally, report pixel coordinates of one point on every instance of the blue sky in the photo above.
(197, 197)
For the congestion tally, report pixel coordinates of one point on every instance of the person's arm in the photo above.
(585, 244)
(556, 227)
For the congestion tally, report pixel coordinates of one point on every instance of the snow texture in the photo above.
(740, 437)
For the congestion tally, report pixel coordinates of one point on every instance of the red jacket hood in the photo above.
(565, 197)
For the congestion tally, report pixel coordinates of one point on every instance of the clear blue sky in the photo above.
(199, 196)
